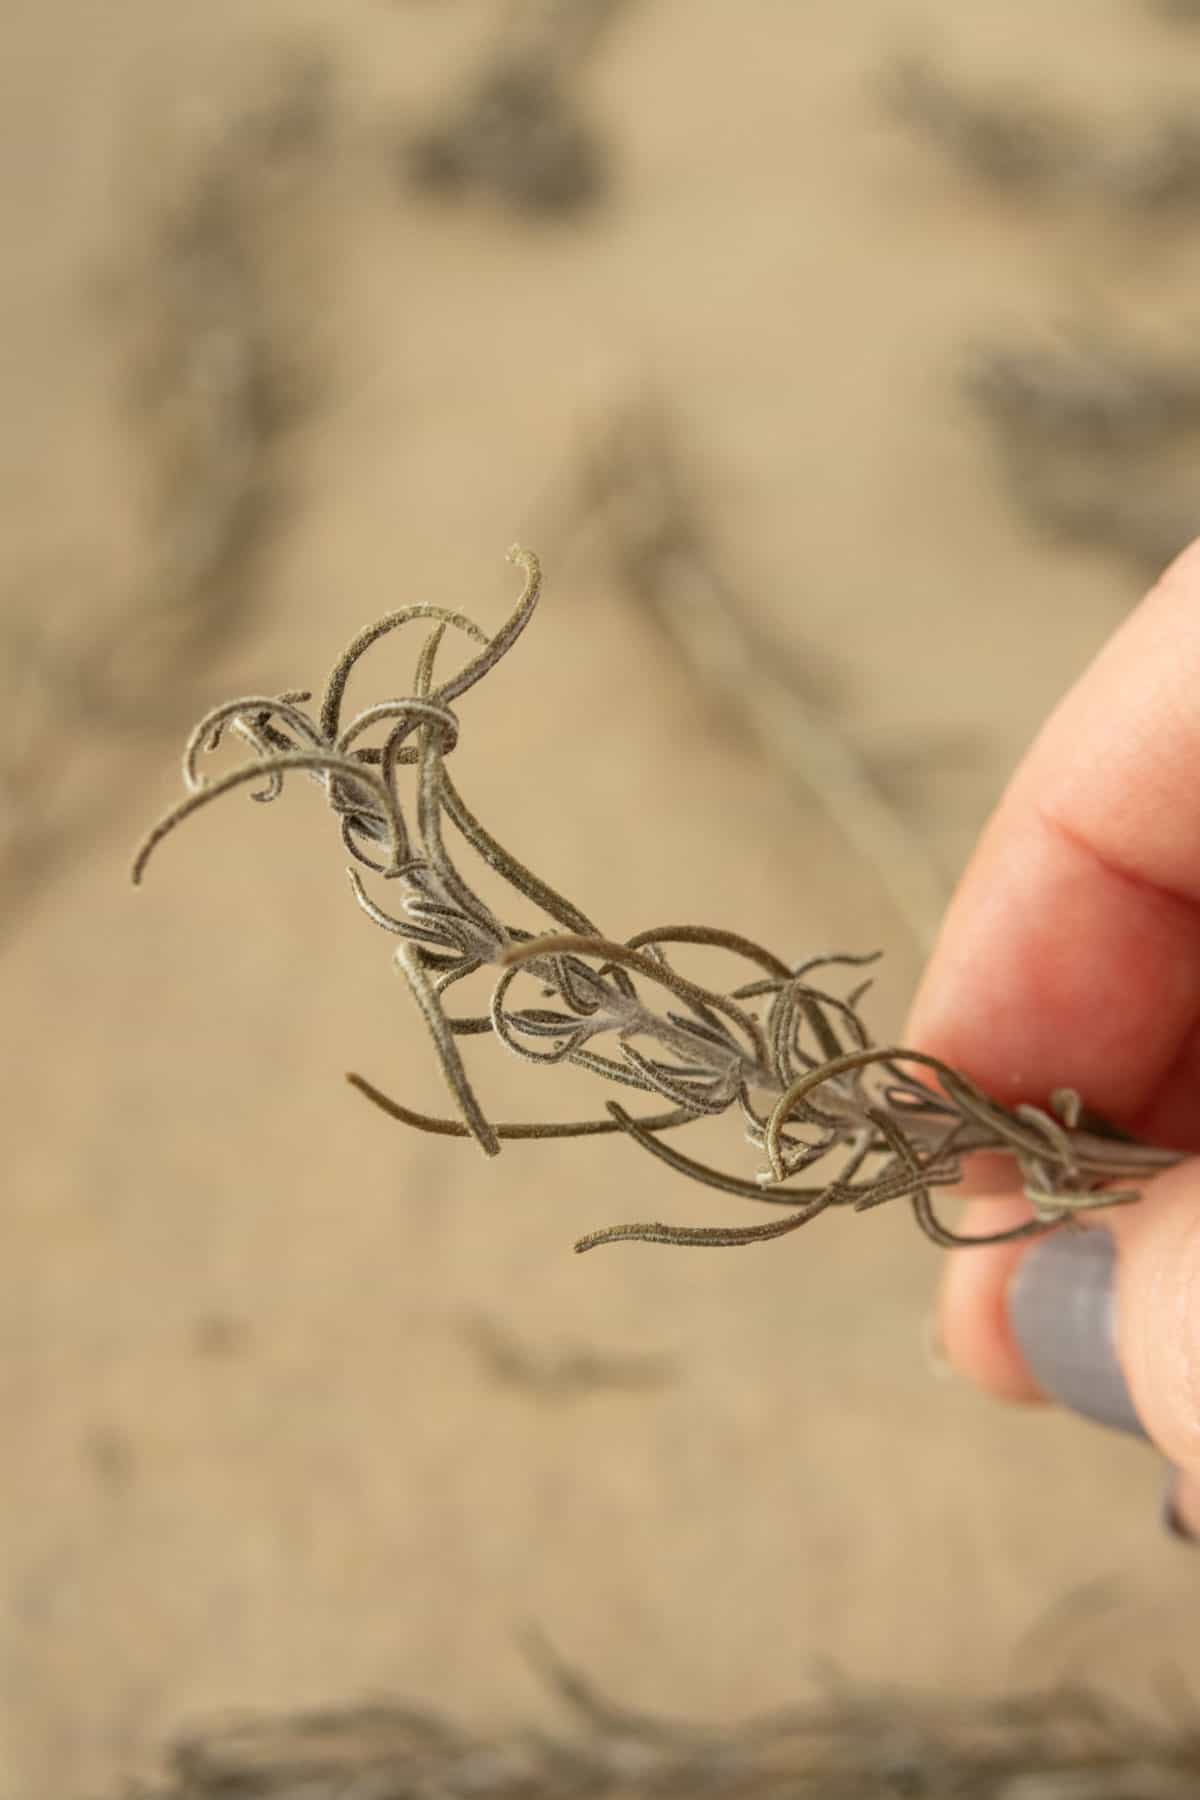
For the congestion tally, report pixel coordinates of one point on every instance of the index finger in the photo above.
(1070, 956)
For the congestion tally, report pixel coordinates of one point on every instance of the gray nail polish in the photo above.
(1062, 1307)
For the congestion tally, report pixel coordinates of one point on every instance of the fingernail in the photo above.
(1062, 1306)
(1172, 1518)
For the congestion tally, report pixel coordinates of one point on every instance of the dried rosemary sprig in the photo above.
(517, 133)
(777, 1046)
(220, 365)
(846, 1741)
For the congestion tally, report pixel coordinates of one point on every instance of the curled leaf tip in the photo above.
(593, 1239)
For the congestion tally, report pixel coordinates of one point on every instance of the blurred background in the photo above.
(841, 364)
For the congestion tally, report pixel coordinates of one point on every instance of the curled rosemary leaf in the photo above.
(836, 1119)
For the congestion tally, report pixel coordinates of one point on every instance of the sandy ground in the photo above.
(253, 1454)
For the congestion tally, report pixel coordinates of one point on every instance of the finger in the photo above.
(1158, 1312)
(1070, 956)
(1105, 1319)
(974, 1327)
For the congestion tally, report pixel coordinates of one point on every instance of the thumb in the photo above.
(1108, 1321)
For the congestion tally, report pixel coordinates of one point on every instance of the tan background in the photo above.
(251, 1453)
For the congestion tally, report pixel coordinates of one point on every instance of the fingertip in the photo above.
(1158, 1319)
(973, 1315)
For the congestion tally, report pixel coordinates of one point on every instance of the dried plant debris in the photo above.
(571, 1373)
(517, 132)
(1155, 168)
(636, 486)
(1097, 438)
(850, 1744)
(1012, 142)
(219, 306)
(780, 1045)
(220, 367)
(1006, 139)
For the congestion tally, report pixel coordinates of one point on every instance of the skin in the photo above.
(1070, 957)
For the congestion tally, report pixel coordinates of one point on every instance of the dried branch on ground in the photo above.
(1096, 437)
(220, 365)
(517, 132)
(777, 1045)
(1097, 440)
(1007, 139)
(568, 1374)
(1180, 12)
(849, 1744)
(220, 302)
(635, 485)
(1013, 141)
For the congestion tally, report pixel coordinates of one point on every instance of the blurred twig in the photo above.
(517, 131)
(219, 367)
(1007, 140)
(1012, 140)
(635, 485)
(567, 1374)
(226, 363)
(849, 1744)
(1097, 436)
(1183, 12)
(1097, 439)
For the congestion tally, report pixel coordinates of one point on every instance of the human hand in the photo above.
(1070, 957)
